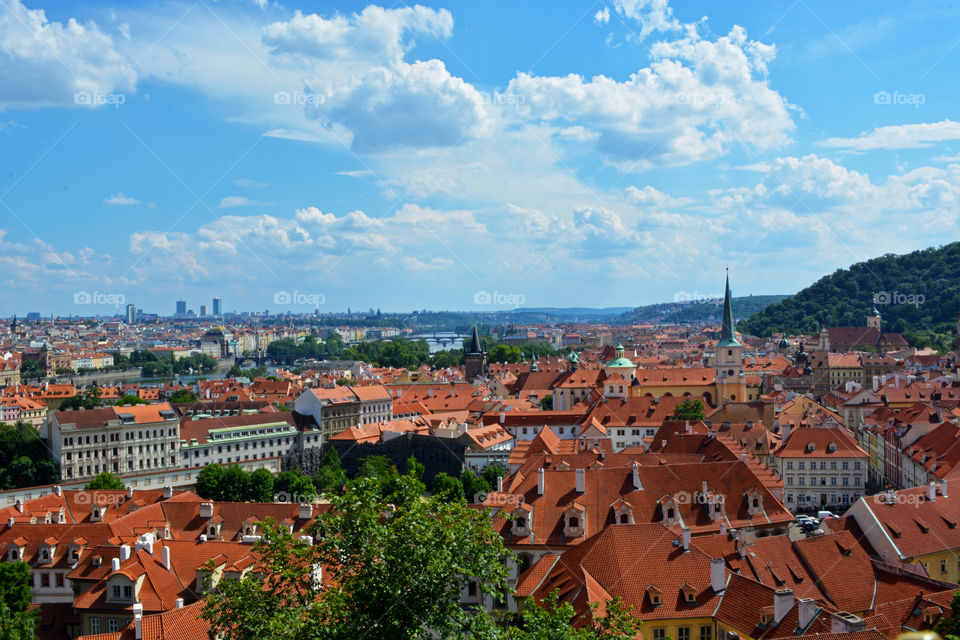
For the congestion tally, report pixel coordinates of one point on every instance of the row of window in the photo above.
(683, 633)
(845, 466)
(802, 481)
(70, 441)
(113, 624)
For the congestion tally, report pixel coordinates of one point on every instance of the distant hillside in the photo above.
(917, 294)
(697, 310)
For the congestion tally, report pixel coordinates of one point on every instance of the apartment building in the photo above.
(376, 403)
(820, 467)
(239, 438)
(121, 440)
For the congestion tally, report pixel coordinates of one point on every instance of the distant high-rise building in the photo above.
(131, 313)
(181, 307)
(217, 307)
(203, 310)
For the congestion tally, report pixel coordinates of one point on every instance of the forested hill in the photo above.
(699, 310)
(917, 294)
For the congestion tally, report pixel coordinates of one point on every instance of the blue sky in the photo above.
(612, 153)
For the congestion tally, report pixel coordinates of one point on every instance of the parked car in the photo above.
(822, 515)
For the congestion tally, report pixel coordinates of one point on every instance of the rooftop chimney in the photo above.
(806, 608)
(581, 481)
(718, 574)
(124, 552)
(932, 491)
(138, 621)
(19, 505)
(206, 509)
(844, 622)
(129, 492)
(499, 483)
(165, 555)
(57, 491)
(685, 538)
(503, 417)
(115, 564)
(943, 489)
(782, 603)
(636, 477)
(10, 522)
(167, 492)
(663, 444)
(179, 603)
(723, 528)
(541, 482)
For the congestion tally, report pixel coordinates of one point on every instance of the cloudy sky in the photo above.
(612, 153)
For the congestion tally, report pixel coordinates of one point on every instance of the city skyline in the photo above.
(624, 152)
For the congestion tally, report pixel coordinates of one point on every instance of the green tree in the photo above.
(504, 353)
(492, 472)
(396, 577)
(209, 481)
(330, 475)
(447, 487)
(689, 409)
(546, 402)
(105, 480)
(293, 486)
(183, 395)
(473, 486)
(235, 484)
(949, 626)
(261, 486)
(129, 399)
(16, 621)
(415, 468)
(552, 620)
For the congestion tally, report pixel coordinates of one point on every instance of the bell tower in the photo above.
(474, 358)
(729, 357)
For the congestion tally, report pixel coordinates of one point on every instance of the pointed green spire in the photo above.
(727, 336)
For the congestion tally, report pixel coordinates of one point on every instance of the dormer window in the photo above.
(689, 593)
(655, 595)
(574, 521)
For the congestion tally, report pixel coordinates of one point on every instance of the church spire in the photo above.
(727, 336)
(476, 347)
